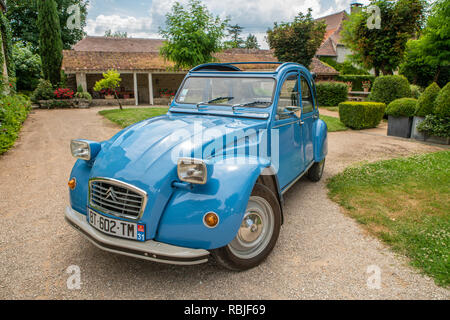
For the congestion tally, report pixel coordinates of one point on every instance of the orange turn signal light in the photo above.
(211, 220)
(72, 184)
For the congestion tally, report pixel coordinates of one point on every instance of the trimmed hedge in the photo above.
(356, 80)
(331, 93)
(13, 112)
(404, 107)
(426, 102)
(389, 88)
(442, 102)
(361, 115)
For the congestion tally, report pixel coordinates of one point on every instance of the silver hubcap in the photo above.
(256, 229)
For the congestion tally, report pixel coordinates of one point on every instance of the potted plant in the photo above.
(400, 114)
(425, 107)
(110, 82)
(366, 85)
(437, 126)
(83, 99)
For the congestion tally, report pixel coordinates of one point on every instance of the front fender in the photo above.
(226, 193)
(79, 196)
(320, 131)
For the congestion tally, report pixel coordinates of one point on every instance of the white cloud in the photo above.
(256, 16)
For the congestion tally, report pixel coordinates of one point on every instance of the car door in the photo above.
(287, 126)
(309, 115)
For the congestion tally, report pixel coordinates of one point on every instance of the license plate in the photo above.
(116, 227)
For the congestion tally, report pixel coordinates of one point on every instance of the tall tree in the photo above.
(50, 43)
(383, 48)
(28, 67)
(117, 34)
(251, 42)
(234, 32)
(192, 35)
(23, 15)
(297, 41)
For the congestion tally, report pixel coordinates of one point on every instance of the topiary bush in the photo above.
(404, 107)
(331, 93)
(361, 115)
(389, 88)
(442, 103)
(426, 102)
(83, 95)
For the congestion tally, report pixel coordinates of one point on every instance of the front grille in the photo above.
(117, 198)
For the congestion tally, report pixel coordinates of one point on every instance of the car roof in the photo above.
(232, 68)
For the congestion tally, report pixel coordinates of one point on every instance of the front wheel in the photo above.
(315, 173)
(257, 235)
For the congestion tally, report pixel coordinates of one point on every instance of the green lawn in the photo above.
(334, 124)
(405, 202)
(127, 117)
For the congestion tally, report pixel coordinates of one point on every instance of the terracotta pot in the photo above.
(109, 97)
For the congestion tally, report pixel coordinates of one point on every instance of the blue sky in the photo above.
(141, 19)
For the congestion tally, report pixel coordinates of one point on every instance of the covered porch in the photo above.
(138, 88)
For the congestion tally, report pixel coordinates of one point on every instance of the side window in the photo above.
(288, 96)
(307, 97)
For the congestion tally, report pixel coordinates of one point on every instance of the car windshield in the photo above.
(245, 92)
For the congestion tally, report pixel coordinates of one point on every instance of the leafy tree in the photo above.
(297, 41)
(234, 32)
(111, 81)
(23, 15)
(192, 35)
(251, 42)
(117, 34)
(28, 67)
(383, 49)
(428, 58)
(50, 43)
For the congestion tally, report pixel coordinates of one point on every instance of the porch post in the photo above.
(136, 98)
(81, 80)
(150, 87)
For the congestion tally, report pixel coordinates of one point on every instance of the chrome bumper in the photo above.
(149, 250)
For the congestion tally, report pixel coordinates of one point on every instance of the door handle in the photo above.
(302, 123)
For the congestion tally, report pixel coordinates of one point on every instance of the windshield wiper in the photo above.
(214, 100)
(248, 104)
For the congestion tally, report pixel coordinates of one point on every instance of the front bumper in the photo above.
(149, 250)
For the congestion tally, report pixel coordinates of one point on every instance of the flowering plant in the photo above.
(108, 92)
(64, 93)
(166, 93)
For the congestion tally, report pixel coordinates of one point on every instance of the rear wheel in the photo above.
(315, 173)
(257, 235)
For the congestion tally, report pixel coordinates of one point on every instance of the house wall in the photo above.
(342, 53)
(166, 81)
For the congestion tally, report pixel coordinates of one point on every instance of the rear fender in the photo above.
(320, 137)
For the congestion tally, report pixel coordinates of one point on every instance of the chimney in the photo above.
(355, 7)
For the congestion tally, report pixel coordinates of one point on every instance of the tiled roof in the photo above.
(333, 33)
(105, 54)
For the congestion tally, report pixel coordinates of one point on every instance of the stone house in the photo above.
(147, 78)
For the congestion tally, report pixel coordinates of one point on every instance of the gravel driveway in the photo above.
(321, 254)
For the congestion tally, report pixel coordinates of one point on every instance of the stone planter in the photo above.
(109, 97)
(436, 139)
(416, 134)
(399, 126)
(83, 103)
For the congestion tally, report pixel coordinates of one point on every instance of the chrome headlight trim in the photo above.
(81, 144)
(183, 165)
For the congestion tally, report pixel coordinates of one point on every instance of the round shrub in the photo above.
(416, 91)
(83, 95)
(389, 88)
(361, 115)
(404, 107)
(425, 104)
(331, 93)
(442, 102)
(44, 91)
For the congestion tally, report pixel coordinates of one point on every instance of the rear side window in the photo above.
(307, 97)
